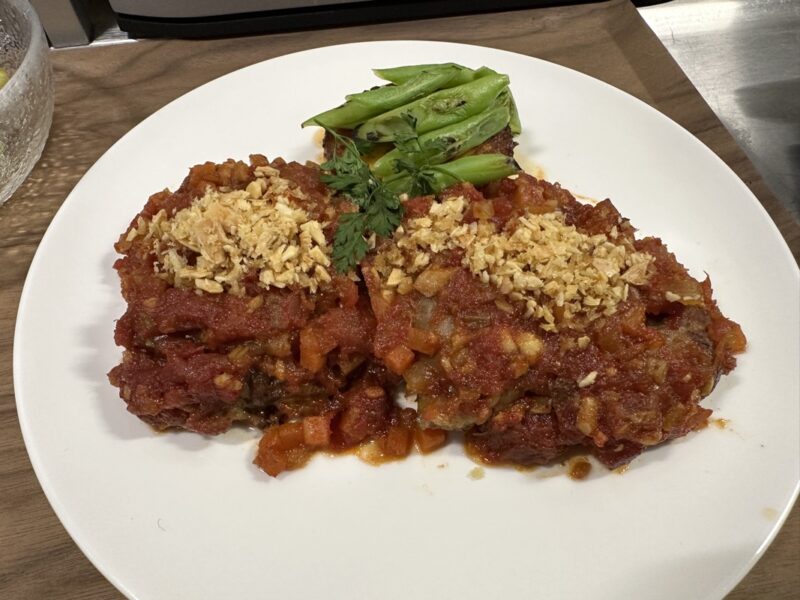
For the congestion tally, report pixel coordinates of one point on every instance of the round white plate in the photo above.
(182, 516)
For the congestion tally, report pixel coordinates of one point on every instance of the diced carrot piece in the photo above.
(428, 440)
(268, 459)
(281, 449)
(290, 435)
(297, 457)
(272, 462)
(316, 431)
(311, 356)
(397, 442)
(399, 359)
(270, 437)
(423, 341)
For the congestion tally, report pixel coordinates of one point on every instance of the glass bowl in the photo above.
(26, 100)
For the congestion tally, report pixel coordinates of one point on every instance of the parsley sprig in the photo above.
(379, 210)
(415, 157)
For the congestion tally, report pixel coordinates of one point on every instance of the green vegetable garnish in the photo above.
(477, 169)
(379, 209)
(431, 115)
(402, 74)
(451, 141)
(437, 110)
(3, 77)
(362, 106)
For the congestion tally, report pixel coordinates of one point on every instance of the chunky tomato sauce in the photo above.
(318, 372)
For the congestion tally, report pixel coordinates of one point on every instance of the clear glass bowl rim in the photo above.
(35, 39)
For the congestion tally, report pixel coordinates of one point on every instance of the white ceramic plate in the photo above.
(181, 516)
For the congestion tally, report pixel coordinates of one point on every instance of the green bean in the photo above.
(448, 142)
(3, 77)
(478, 169)
(364, 105)
(435, 111)
(400, 75)
(514, 122)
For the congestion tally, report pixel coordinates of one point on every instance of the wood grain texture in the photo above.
(101, 93)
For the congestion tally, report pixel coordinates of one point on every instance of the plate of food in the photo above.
(471, 324)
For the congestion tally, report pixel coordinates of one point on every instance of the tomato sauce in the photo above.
(318, 372)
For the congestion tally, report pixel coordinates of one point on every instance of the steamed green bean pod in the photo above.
(477, 169)
(514, 123)
(448, 142)
(398, 75)
(370, 103)
(434, 111)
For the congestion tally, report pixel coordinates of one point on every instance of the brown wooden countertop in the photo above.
(102, 92)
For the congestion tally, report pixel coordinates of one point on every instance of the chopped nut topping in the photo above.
(539, 260)
(588, 380)
(586, 420)
(224, 235)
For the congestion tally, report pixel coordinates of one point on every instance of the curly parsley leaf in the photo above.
(349, 245)
(384, 213)
(415, 157)
(380, 210)
(347, 172)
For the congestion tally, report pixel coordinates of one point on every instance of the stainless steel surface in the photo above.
(743, 56)
(104, 21)
(64, 21)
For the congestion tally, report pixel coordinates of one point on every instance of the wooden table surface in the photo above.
(102, 92)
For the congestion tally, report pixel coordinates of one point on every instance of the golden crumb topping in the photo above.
(538, 259)
(226, 234)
